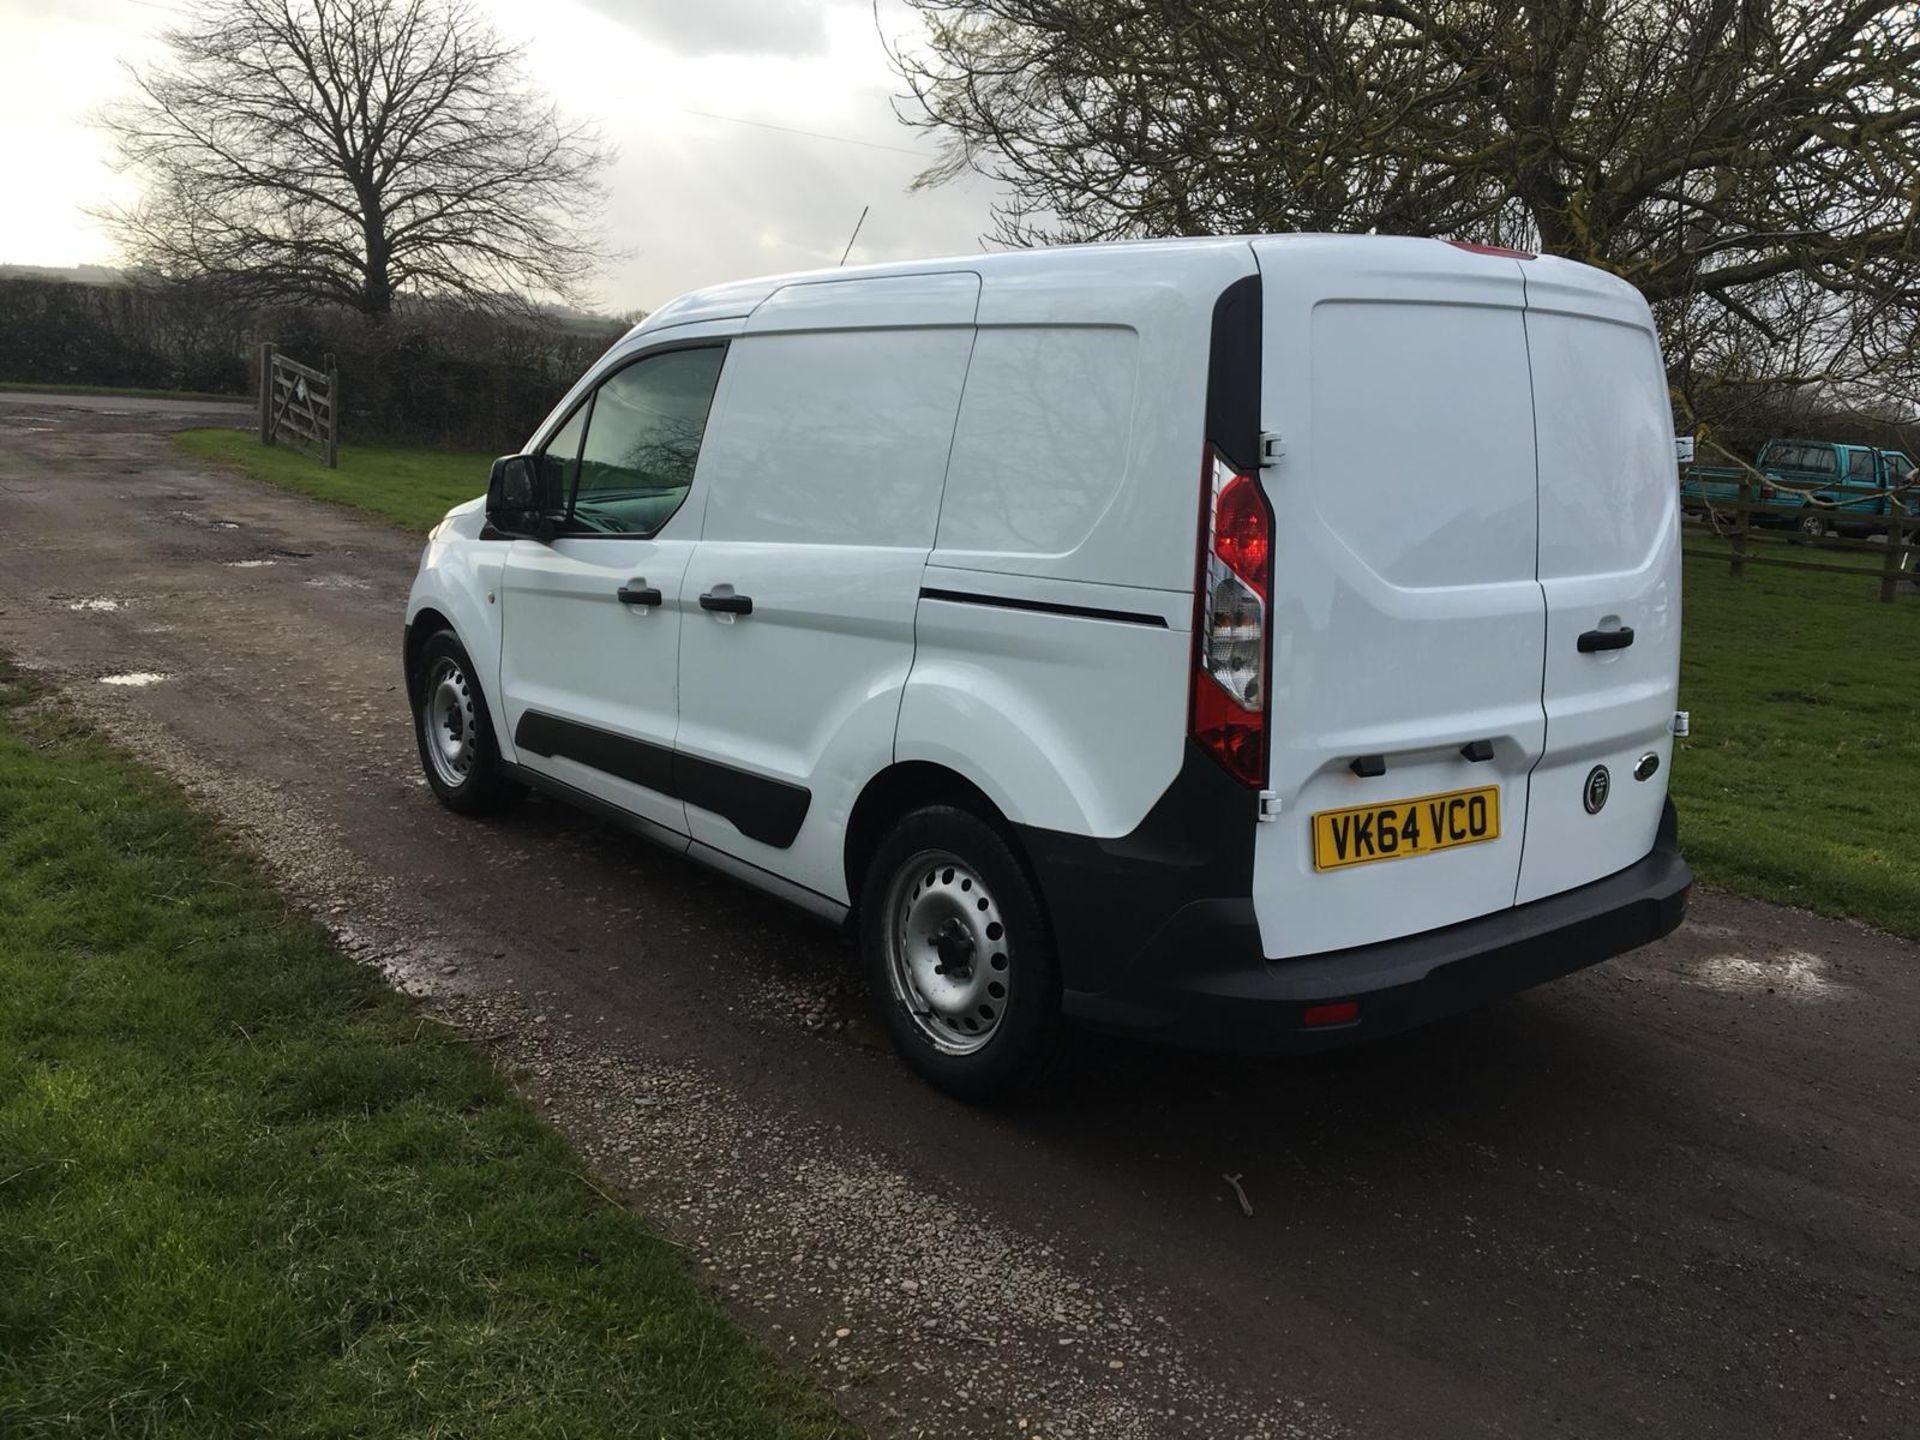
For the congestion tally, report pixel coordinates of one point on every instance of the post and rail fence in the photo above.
(1892, 536)
(300, 405)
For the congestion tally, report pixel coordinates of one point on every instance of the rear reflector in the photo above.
(1340, 1012)
(1478, 249)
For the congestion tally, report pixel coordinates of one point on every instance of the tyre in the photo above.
(455, 733)
(959, 957)
(1813, 523)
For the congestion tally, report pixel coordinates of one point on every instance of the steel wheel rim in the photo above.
(1813, 525)
(450, 724)
(949, 962)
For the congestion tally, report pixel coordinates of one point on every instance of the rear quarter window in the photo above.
(1041, 446)
(835, 437)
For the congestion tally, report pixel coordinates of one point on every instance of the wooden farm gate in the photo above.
(300, 406)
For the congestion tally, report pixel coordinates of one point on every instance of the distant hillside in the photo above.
(68, 274)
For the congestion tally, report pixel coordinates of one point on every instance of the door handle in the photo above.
(727, 604)
(642, 594)
(1594, 640)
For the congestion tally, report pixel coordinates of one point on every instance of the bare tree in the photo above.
(349, 151)
(1752, 165)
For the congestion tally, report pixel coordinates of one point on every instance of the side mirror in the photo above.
(514, 500)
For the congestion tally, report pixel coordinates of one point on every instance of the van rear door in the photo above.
(1610, 570)
(1407, 624)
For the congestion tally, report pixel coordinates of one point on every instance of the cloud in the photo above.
(696, 197)
(709, 202)
(725, 27)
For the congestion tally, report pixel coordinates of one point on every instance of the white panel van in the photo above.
(1264, 642)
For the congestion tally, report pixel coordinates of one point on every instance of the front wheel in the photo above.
(958, 954)
(455, 733)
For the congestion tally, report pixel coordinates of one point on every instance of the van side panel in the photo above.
(824, 471)
(1144, 508)
(1067, 721)
(1054, 640)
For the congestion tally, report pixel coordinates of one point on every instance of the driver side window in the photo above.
(643, 431)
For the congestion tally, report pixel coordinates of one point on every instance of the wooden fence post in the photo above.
(331, 449)
(266, 393)
(1738, 563)
(1896, 527)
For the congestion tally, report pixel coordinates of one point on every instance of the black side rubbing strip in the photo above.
(618, 755)
(760, 808)
(763, 809)
(1046, 607)
(1233, 374)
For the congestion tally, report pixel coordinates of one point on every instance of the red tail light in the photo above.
(1227, 712)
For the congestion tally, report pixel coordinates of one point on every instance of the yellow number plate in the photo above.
(1399, 828)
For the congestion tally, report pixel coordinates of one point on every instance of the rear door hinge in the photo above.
(1269, 804)
(1272, 449)
(1682, 722)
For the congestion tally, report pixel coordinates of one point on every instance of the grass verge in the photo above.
(409, 486)
(131, 392)
(246, 1190)
(1799, 782)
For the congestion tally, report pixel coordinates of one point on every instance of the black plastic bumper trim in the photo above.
(1202, 980)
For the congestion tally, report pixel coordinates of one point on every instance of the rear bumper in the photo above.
(1202, 980)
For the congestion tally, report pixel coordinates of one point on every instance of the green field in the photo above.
(1798, 784)
(245, 1189)
(411, 487)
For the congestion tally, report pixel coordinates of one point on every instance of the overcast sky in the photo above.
(695, 199)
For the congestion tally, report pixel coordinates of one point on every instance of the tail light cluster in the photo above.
(1228, 710)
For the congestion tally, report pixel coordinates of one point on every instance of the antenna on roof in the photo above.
(856, 233)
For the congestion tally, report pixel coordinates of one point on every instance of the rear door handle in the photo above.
(1594, 640)
(727, 604)
(639, 595)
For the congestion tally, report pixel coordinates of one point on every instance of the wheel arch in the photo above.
(905, 786)
(425, 622)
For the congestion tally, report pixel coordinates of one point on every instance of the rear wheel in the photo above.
(1813, 523)
(455, 733)
(958, 954)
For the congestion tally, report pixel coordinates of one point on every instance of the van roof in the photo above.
(739, 298)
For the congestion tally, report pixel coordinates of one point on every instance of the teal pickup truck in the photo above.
(1831, 487)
